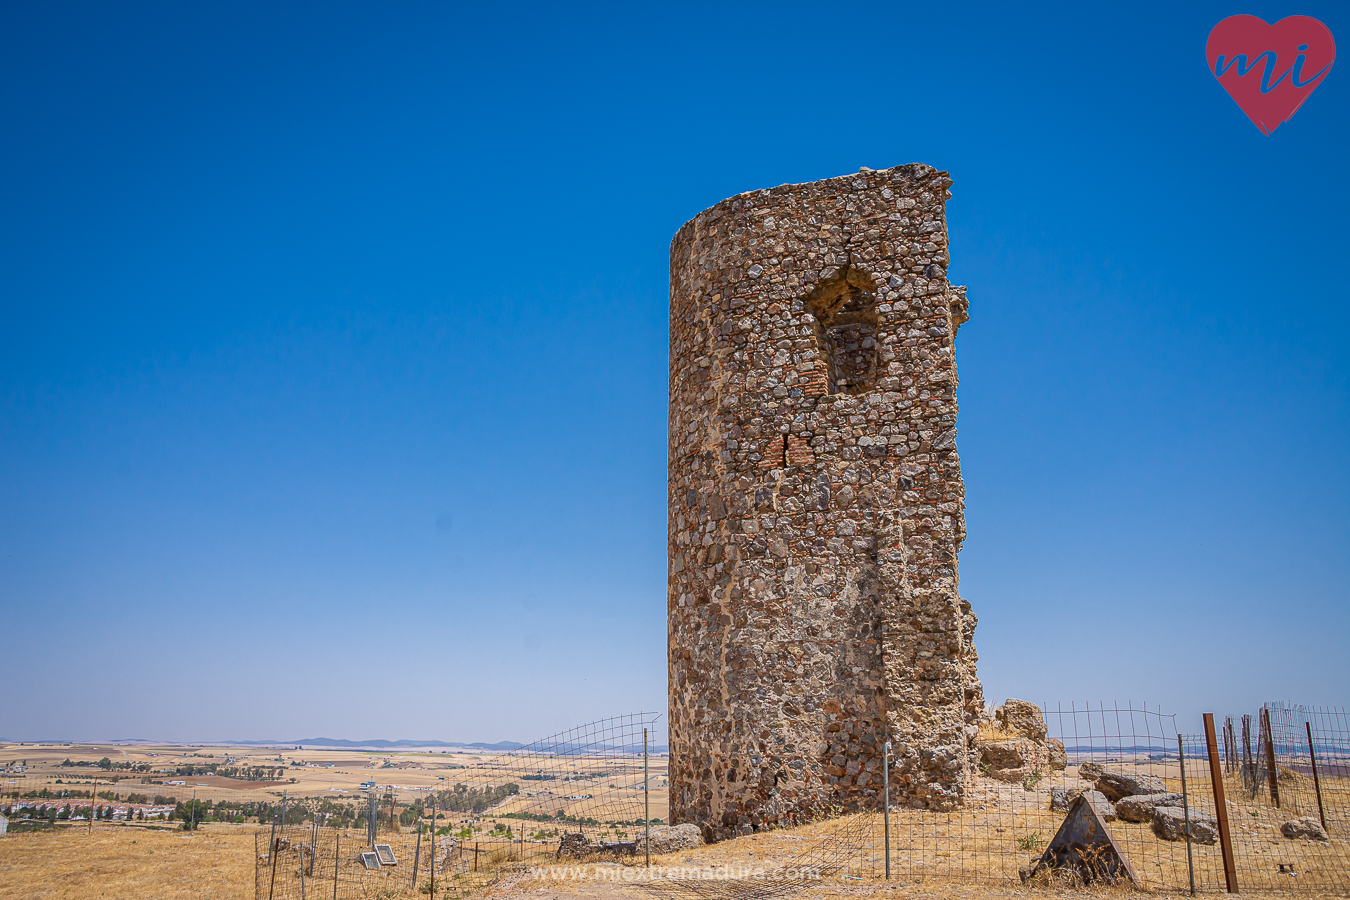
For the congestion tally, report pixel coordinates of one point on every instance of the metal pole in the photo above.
(1317, 782)
(646, 799)
(1271, 772)
(886, 801)
(417, 857)
(272, 841)
(433, 847)
(1248, 759)
(1186, 812)
(1227, 748)
(1220, 807)
(272, 886)
(337, 855)
(283, 812)
(194, 810)
(302, 872)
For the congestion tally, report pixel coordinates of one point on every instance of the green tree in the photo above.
(193, 813)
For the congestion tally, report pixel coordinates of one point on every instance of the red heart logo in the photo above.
(1270, 69)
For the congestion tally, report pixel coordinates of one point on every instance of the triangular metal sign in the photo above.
(1086, 846)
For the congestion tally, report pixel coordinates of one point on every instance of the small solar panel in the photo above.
(386, 854)
(370, 860)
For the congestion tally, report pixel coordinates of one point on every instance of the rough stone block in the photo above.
(1169, 823)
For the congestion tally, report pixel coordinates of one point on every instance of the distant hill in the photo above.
(375, 744)
(340, 743)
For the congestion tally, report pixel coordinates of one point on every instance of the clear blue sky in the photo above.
(333, 350)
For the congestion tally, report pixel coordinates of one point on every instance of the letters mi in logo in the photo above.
(1270, 69)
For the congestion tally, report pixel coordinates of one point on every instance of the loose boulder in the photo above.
(1106, 811)
(1025, 750)
(1018, 717)
(1116, 784)
(1139, 807)
(671, 838)
(1062, 798)
(1013, 754)
(1012, 761)
(1169, 823)
(1091, 771)
(1306, 828)
(574, 844)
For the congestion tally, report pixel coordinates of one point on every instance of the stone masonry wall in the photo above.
(816, 505)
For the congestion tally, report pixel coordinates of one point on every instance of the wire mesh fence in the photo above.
(584, 791)
(1012, 813)
(1151, 784)
(1178, 811)
(319, 863)
(1285, 777)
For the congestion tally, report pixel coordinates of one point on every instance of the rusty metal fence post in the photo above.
(1317, 782)
(1220, 807)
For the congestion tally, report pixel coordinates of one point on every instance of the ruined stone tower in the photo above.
(816, 504)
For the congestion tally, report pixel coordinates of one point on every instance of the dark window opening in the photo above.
(845, 326)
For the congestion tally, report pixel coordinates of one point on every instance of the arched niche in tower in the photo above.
(844, 315)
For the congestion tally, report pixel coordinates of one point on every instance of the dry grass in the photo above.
(992, 732)
(127, 862)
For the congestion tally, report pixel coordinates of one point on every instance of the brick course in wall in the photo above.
(816, 505)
